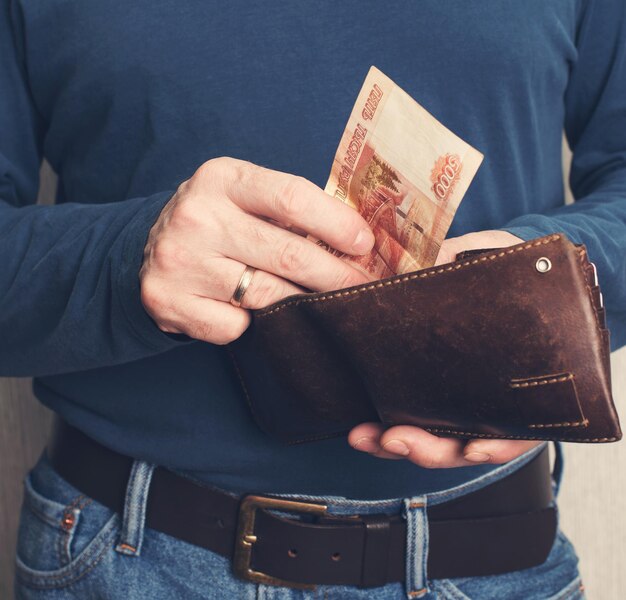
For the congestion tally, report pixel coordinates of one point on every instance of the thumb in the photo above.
(448, 251)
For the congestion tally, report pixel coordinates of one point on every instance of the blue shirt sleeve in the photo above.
(595, 125)
(69, 288)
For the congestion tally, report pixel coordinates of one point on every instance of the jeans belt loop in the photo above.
(133, 520)
(416, 547)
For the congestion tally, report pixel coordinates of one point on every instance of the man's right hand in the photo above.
(232, 214)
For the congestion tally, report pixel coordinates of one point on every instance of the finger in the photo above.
(219, 278)
(259, 244)
(366, 438)
(203, 318)
(452, 246)
(447, 252)
(497, 451)
(423, 448)
(294, 201)
(477, 240)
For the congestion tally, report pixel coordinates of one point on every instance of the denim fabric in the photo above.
(417, 546)
(70, 546)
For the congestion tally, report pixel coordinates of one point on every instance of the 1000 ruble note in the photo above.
(404, 172)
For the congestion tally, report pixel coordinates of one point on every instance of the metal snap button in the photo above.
(543, 264)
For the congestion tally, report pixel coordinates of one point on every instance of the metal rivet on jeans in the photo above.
(68, 521)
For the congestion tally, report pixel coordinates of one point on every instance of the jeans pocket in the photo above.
(555, 579)
(63, 534)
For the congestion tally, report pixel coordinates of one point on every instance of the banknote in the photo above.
(404, 172)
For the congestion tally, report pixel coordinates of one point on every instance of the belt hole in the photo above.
(292, 553)
(336, 556)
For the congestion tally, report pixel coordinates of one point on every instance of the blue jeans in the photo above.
(70, 546)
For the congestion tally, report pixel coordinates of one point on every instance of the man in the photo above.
(121, 309)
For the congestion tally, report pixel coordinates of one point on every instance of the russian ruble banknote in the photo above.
(404, 172)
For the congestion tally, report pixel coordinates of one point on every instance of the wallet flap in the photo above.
(440, 349)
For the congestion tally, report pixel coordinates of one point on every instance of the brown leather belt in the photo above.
(506, 526)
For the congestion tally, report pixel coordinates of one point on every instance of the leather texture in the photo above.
(502, 343)
(514, 518)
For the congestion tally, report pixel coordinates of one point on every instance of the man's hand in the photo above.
(232, 214)
(419, 446)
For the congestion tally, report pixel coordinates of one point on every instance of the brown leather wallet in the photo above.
(503, 343)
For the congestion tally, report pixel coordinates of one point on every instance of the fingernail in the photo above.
(366, 444)
(364, 241)
(397, 447)
(478, 457)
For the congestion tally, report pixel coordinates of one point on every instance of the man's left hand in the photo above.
(419, 446)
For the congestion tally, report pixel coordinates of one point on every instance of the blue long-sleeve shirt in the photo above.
(127, 99)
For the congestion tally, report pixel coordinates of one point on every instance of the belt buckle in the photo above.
(246, 537)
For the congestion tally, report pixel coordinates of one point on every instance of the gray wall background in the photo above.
(592, 500)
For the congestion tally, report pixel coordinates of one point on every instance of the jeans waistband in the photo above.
(340, 505)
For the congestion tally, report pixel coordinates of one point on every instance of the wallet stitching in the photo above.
(582, 423)
(439, 271)
(511, 437)
(524, 384)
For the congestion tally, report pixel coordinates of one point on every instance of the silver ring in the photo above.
(242, 286)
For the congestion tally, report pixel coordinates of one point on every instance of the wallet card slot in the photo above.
(548, 401)
(470, 253)
(590, 273)
(596, 296)
(590, 276)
